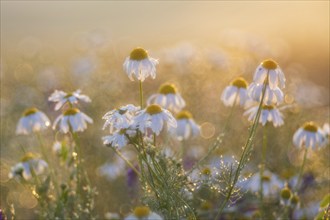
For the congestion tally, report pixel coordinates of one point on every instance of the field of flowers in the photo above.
(101, 129)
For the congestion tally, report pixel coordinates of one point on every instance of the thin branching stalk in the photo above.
(218, 140)
(301, 170)
(246, 151)
(43, 152)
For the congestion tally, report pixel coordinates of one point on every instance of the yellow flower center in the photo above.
(167, 89)
(286, 193)
(269, 64)
(184, 115)
(240, 83)
(310, 126)
(153, 109)
(28, 156)
(71, 111)
(206, 171)
(294, 199)
(138, 54)
(141, 211)
(266, 178)
(30, 111)
(268, 107)
(68, 95)
(122, 131)
(121, 111)
(206, 205)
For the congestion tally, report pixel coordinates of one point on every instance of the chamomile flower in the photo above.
(154, 117)
(272, 96)
(269, 113)
(235, 93)
(73, 119)
(118, 139)
(271, 183)
(186, 126)
(276, 76)
(140, 65)
(121, 118)
(29, 164)
(168, 97)
(143, 213)
(309, 136)
(326, 132)
(32, 120)
(62, 97)
(112, 170)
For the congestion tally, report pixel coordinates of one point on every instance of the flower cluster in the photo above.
(267, 83)
(71, 119)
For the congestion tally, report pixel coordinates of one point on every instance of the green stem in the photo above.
(141, 94)
(246, 151)
(262, 168)
(154, 139)
(127, 161)
(51, 170)
(301, 169)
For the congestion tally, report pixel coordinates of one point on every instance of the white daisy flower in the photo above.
(326, 129)
(140, 65)
(154, 117)
(73, 119)
(121, 118)
(186, 126)
(269, 113)
(237, 90)
(276, 76)
(168, 98)
(62, 97)
(29, 163)
(119, 138)
(143, 213)
(272, 96)
(309, 135)
(271, 183)
(32, 120)
(112, 170)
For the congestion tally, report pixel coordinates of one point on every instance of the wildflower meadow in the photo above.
(136, 126)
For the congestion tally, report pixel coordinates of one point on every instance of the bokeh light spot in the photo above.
(207, 130)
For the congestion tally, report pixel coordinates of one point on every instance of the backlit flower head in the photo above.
(140, 65)
(309, 135)
(237, 90)
(271, 183)
(154, 117)
(121, 118)
(143, 213)
(32, 120)
(168, 97)
(112, 170)
(72, 119)
(186, 126)
(29, 163)
(62, 97)
(272, 96)
(326, 133)
(276, 76)
(269, 113)
(119, 138)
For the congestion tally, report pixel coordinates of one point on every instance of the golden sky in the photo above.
(304, 25)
